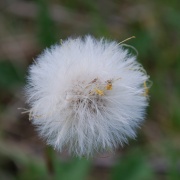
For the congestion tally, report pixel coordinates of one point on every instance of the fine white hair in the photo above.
(87, 95)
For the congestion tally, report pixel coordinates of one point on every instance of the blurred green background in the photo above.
(28, 26)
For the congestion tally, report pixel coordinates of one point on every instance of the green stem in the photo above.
(49, 153)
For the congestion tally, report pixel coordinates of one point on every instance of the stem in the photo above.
(49, 155)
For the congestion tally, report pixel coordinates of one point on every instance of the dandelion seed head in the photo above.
(87, 95)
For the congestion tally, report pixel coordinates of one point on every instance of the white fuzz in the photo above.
(86, 95)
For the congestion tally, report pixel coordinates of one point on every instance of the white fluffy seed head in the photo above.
(86, 95)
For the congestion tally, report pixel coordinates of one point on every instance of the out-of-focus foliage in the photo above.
(10, 75)
(133, 166)
(26, 27)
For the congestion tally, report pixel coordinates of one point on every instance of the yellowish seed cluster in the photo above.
(146, 89)
(99, 92)
(108, 86)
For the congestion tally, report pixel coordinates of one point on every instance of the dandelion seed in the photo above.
(99, 92)
(86, 95)
(109, 85)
